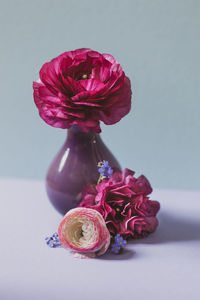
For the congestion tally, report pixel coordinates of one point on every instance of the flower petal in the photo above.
(83, 230)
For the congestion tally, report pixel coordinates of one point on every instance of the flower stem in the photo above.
(99, 180)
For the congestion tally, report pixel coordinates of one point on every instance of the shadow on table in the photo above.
(125, 255)
(173, 229)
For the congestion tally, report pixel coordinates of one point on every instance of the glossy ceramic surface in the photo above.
(74, 166)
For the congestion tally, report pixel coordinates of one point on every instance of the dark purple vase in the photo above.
(74, 166)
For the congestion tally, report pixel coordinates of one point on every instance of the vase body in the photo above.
(74, 166)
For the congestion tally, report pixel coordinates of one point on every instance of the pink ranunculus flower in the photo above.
(84, 231)
(124, 204)
(82, 87)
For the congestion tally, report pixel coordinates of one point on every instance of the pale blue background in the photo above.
(158, 45)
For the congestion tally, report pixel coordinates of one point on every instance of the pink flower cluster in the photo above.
(82, 87)
(124, 204)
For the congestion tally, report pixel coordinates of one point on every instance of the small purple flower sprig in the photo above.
(105, 170)
(118, 244)
(53, 241)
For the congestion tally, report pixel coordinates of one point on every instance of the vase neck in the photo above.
(75, 132)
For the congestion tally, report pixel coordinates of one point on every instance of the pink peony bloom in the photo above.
(82, 87)
(124, 204)
(84, 231)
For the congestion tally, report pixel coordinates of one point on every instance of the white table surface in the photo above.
(166, 265)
